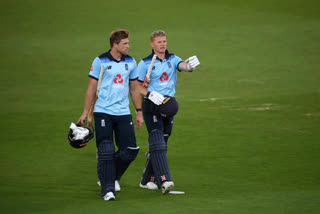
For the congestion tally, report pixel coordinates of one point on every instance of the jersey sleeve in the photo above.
(177, 61)
(134, 73)
(142, 70)
(95, 68)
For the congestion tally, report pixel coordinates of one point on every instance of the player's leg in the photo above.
(158, 157)
(154, 121)
(148, 179)
(106, 153)
(151, 121)
(167, 128)
(157, 145)
(126, 143)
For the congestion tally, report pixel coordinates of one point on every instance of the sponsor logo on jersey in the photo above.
(118, 79)
(118, 82)
(164, 77)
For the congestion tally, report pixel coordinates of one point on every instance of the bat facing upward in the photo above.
(90, 113)
(147, 78)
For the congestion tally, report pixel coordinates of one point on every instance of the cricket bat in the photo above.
(147, 78)
(90, 113)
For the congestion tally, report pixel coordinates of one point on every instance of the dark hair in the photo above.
(117, 35)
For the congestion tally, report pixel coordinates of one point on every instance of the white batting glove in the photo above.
(155, 97)
(193, 62)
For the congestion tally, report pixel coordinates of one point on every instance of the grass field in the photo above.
(246, 138)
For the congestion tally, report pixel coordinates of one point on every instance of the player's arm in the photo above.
(154, 96)
(136, 95)
(190, 64)
(137, 91)
(90, 95)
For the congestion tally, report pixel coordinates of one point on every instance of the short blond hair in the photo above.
(157, 33)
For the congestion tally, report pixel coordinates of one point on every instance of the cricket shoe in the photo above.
(150, 185)
(167, 186)
(116, 185)
(109, 197)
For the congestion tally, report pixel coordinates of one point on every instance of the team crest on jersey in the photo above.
(169, 65)
(126, 66)
(109, 67)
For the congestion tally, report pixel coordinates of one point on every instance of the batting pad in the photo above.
(147, 172)
(158, 157)
(106, 166)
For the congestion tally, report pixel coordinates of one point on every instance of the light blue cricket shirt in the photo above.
(163, 77)
(114, 90)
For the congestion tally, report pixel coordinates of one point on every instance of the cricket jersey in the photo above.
(114, 90)
(163, 78)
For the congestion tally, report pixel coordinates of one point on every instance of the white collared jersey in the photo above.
(163, 77)
(114, 90)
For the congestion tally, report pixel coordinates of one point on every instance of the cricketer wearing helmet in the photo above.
(159, 119)
(112, 115)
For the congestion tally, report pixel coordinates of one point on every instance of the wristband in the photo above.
(148, 94)
(139, 109)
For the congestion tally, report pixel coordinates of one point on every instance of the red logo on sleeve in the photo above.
(91, 68)
(118, 79)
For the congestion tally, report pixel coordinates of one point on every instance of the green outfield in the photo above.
(245, 141)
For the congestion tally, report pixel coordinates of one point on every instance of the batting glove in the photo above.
(155, 97)
(193, 62)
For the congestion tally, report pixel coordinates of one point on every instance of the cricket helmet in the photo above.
(79, 137)
(168, 108)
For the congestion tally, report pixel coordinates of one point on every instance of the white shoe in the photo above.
(109, 197)
(116, 185)
(167, 186)
(150, 185)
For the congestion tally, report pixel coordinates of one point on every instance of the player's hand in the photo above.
(139, 119)
(155, 97)
(82, 120)
(192, 62)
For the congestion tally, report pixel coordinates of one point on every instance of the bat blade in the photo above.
(90, 113)
(147, 78)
